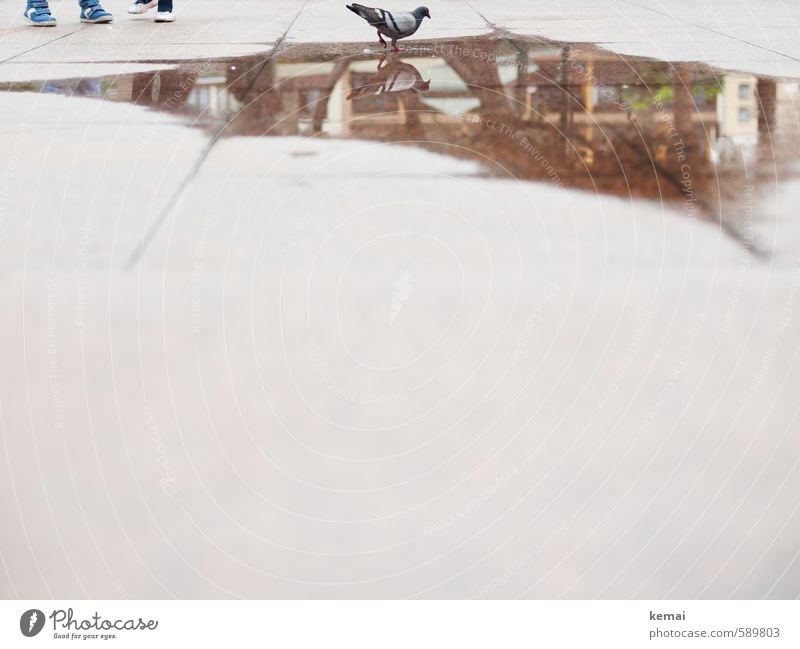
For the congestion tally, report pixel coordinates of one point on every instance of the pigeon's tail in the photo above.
(357, 93)
(367, 13)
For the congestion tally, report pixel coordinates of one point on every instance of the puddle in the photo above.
(574, 116)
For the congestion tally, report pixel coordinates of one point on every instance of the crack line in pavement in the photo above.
(36, 47)
(151, 232)
(719, 33)
(716, 215)
(484, 18)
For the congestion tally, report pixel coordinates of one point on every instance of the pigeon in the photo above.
(397, 25)
(394, 77)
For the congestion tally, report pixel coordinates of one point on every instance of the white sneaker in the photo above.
(165, 16)
(141, 6)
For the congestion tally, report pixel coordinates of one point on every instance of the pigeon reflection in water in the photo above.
(392, 77)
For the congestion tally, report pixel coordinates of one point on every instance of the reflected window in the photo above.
(744, 115)
(744, 91)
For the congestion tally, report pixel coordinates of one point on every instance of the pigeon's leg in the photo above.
(394, 45)
(380, 38)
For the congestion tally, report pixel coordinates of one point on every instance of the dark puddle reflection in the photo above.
(575, 116)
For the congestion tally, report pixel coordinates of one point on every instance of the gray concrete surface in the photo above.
(758, 37)
(349, 369)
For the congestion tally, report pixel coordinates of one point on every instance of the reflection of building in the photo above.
(737, 117)
(737, 107)
(594, 120)
(210, 94)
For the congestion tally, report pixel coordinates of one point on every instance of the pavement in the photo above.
(317, 367)
(739, 35)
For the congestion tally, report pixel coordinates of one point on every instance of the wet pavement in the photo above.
(495, 317)
(758, 38)
(573, 115)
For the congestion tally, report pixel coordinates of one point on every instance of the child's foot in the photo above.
(37, 12)
(141, 6)
(165, 16)
(92, 12)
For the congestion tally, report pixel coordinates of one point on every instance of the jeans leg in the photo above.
(164, 5)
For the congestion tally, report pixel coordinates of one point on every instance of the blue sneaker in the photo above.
(92, 12)
(37, 12)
